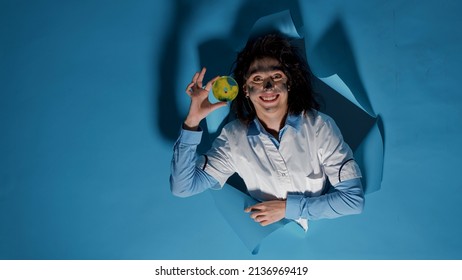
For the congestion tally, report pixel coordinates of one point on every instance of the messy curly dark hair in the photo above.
(301, 95)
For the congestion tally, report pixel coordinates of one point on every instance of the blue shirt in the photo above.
(311, 150)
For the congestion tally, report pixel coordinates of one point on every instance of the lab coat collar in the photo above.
(293, 120)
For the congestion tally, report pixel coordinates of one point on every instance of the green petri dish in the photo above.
(225, 88)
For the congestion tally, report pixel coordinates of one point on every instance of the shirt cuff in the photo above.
(190, 137)
(293, 209)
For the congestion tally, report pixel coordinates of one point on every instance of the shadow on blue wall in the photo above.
(333, 55)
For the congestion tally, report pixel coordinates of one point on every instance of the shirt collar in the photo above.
(293, 120)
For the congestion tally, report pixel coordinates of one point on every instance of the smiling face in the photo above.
(266, 86)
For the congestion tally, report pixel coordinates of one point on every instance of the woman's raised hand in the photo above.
(200, 106)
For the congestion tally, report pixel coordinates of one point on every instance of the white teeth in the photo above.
(268, 98)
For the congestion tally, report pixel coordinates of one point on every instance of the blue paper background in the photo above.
(91, 98)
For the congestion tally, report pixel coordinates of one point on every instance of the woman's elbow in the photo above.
(178, 189)
(179, 193)
(352, 204)
(357, 206)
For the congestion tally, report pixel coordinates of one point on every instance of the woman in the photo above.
(280, 145)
